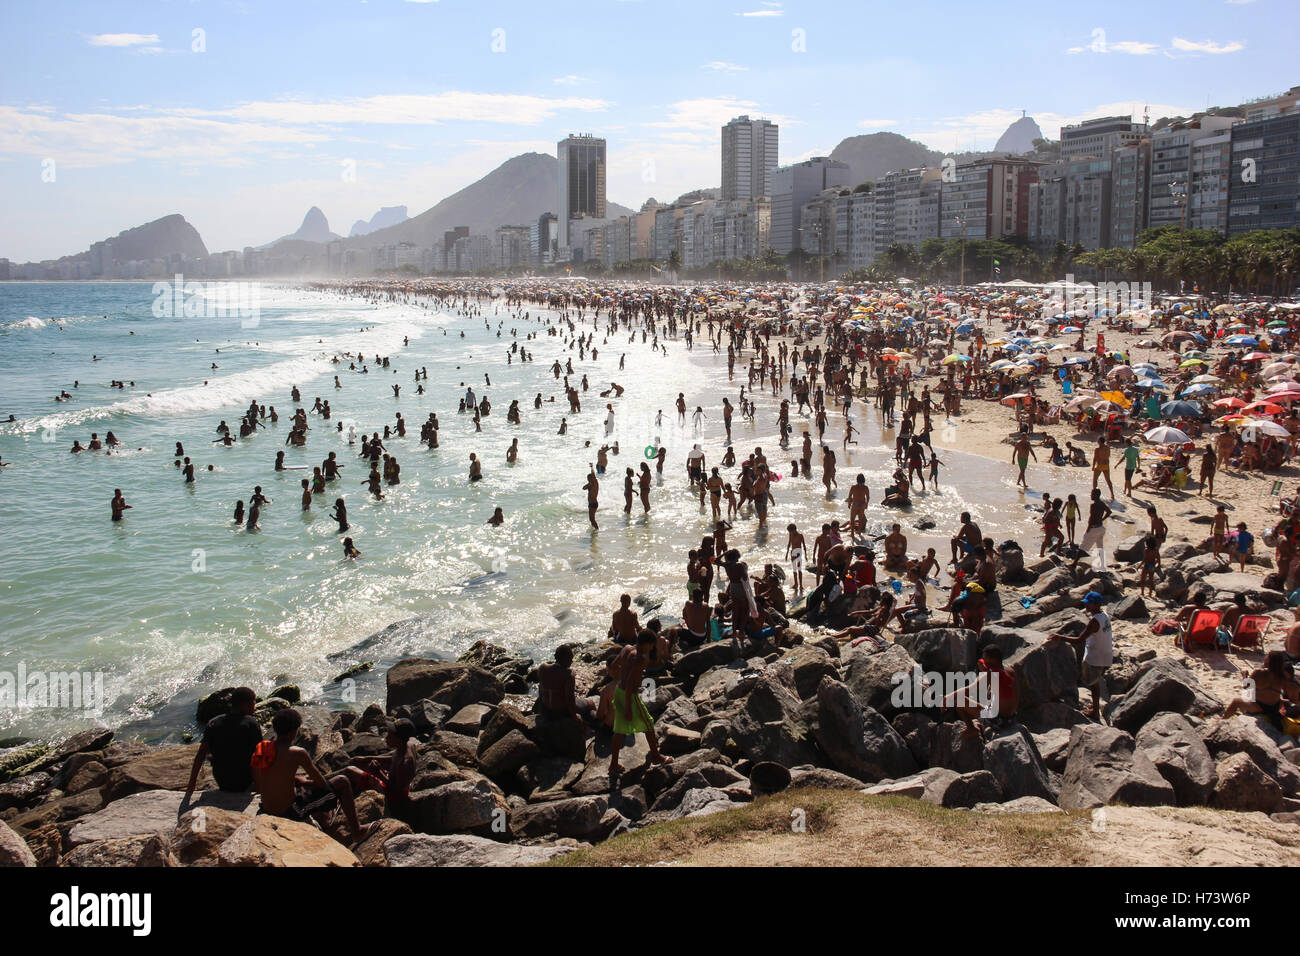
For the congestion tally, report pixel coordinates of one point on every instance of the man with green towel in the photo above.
(630, 714)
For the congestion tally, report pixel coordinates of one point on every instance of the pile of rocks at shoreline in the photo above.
(496, 787)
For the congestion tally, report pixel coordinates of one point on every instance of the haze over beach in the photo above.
(618, 434)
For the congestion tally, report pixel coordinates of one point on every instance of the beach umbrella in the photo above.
(1166, 435)
(955, 358)
(1117, 398)
(1180, 410)
(1207, 380)
(1274, 429)
(1202, 389)
(1263, 408)
(1191, 363)
(1077, 360)
(1241, 340)
(1121, 371)
(1151, 383)
(1276, 368)
(1195, 353)
(1230, 401)
(1019, 398)
(1069, 328)
(1255, 357)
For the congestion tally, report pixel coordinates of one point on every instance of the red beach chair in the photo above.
(1202, 629)
(1251, 629)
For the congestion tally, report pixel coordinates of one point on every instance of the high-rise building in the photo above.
(1172, 182)
(990, 196)
(793, 187)
(582, 180)
(1264, 173)
(749, 150)
(1211, 168)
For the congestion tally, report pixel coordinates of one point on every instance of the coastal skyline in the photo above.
(263, 112)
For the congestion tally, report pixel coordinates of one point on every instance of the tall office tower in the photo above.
(582, 180)
(748, 158)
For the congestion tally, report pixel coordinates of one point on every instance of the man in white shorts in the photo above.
(794, 549)
(1095, 535)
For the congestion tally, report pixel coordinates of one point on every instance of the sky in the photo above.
(240, 116)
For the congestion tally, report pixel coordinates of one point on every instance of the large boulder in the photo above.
(153, 811)
(1163, 684)
(1242, 734)
(943, 649)
(770, 724)
(857, 740)
(1173, 745)
(14, 850)
(422, 850)
(962, 790)
(274, 841)
(1014, 761)
(148, 850)
(459, 807)
(370, 851)
(1045, 670)
(1242, 785)
(712, 654)
(1103, 766)
(504, 758)
(810, 665)
(954, 750)
(870, 675)
(452, 684)
(200, 832)
(166, 769)
(583, 818)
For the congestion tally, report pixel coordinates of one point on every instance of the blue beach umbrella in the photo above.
(1201, 389)
(1241, 340)
(1180, 409)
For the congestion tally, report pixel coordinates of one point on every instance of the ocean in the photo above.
(176, 600)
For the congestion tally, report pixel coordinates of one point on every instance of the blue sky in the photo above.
(282, 100)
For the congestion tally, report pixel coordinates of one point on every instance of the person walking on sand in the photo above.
(1101, 466)
(1094, 536)
(1021, 454)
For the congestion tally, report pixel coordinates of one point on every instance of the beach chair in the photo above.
(1274, 491)
(1251, 629)
(1052, 416)
(1202, 628)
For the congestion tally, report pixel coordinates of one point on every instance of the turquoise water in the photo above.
(176, 600)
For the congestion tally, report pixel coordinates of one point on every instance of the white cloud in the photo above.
(770, 9)
(709, 113)
(571, 79)
(877, 123)
(122, 39)
(1207, 46)
(1134, 47)
(722, 66)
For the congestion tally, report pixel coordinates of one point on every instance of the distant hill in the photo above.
(1019, 137)
(315, 228)
(874, 154)
(388, 216)
(516, 193)
(170, 235)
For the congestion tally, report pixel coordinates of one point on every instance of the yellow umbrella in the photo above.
(1117, 398)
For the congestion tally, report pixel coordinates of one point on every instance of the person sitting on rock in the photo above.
(230, 740)
(292, 787)
(390, 776)
(992, 695)
(1269, 690)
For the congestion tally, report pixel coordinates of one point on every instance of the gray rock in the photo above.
(1103, 766)
(1045, 670)
(14, 850)
(468, 720)
(943, 649)
(712, 654)
(1014, 761)
(1019, 805)
(458, 807)
(451, 684)
(770, 724)
(423, 850)
(153, 811)
(1242, 785)
(963, 790)
(583, 818)
(1163, 684)
(869, 675)
(857, 740)
(1181, 757)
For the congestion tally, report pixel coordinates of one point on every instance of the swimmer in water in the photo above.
(498, 518)
(349, 551)
(340, 514)
(118, 504)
